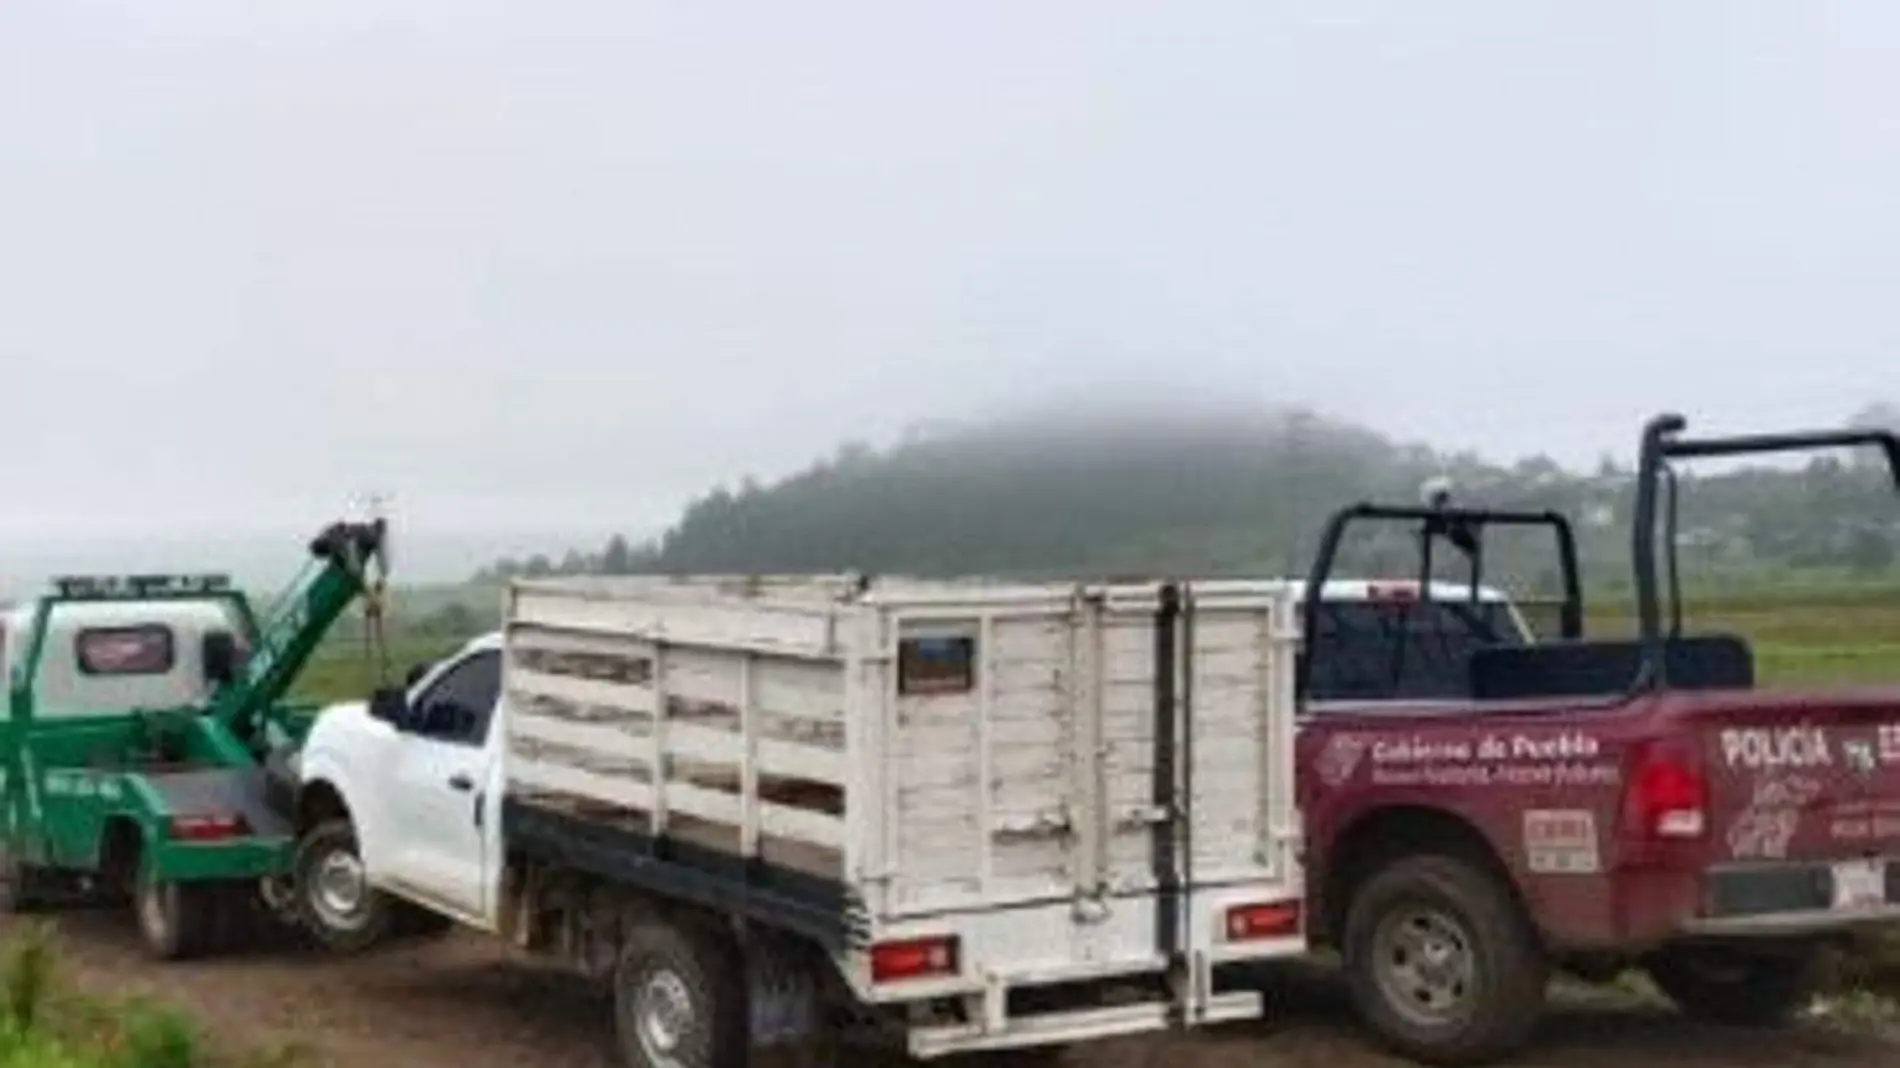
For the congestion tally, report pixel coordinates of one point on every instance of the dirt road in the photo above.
(458, 1002)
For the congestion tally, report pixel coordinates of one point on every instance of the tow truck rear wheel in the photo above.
(1735, 986)
(177, 921)
(1441, 962)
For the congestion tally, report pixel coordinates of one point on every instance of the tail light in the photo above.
(208, 827)
(1276, 919)
(915, 958)
(1668, 795)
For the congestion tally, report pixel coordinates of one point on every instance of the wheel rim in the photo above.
(154, 918)
(339, 890)
(1424, 966)
(663, 1017)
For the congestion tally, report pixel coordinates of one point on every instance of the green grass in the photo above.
(43, 1024)
(343, 671)
(1802, 637)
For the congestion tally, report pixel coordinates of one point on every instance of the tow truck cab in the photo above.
(106, 656)
(1484, 805)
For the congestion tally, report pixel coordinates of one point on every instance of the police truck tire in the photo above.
(1441, 963)
(680, 998)
(336, 905)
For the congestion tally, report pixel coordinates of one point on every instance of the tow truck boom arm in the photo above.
(286, 641)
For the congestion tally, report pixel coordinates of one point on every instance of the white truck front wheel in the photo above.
(335, 900)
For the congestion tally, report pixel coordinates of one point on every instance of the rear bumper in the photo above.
(241, 858)
(930, 1043)
(1036, 975)
(1785, 899)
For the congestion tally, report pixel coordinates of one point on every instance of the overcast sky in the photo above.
(568, 263)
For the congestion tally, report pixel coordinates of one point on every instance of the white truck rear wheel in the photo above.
(680, 998)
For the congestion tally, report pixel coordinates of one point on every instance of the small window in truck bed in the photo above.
(143, 650)
(1397, 650)
(936, 665)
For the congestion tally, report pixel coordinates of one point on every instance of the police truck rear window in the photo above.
(1400, 650)
(145, 650)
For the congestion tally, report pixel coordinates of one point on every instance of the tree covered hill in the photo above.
(1216, 491)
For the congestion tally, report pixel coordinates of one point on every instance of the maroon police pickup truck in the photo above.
(1483, 808)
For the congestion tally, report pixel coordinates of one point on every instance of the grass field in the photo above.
(46, 1024)
(1800, 637)
(344, 670)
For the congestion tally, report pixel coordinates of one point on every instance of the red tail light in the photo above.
(916, 958)
(1668, 795)
(1277, 919)
(209, 827)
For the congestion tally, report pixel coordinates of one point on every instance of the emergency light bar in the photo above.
(134, 587)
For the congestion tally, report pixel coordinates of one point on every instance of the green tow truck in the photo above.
(145, 727)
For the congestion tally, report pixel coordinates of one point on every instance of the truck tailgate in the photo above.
(1795, 780)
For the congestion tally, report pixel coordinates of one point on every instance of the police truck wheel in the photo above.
(335, 901)
(680, 999)
(1441, 963)
(176, 920)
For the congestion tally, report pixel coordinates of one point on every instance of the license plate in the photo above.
(1860, 884)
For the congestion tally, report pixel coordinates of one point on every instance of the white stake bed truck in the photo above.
(978, 816)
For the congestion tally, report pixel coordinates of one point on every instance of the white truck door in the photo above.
(441, 775)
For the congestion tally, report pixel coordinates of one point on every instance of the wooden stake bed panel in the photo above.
(919, 755)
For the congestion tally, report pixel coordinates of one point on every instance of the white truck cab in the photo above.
(412, 813)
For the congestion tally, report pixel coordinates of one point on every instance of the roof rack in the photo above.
(138, 587)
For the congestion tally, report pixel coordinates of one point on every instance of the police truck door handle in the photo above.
(461, 781)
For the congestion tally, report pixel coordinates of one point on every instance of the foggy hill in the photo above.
(1215, 491)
